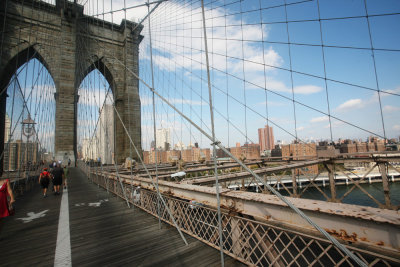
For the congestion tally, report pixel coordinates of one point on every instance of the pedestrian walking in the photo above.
(6, 207)
(66, 176)
(58, 175)
(44, 181)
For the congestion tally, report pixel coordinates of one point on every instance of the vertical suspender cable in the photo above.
(129, 97)
(154, 116)
(291, 72)
(221, 245)
(375, 72)
(323, 60)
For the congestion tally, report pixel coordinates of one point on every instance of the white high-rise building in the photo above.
(90, 149)
(163, 136)
(7, 128)
(105, 134)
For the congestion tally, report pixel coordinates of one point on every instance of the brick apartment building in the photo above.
(357, 147)
(301, 152)
(248, 151)
(187, 155)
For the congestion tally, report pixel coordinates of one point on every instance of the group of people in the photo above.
(57, 175)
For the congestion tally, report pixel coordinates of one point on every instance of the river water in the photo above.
(356, 197)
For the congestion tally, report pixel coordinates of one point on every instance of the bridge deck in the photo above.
(103, 231)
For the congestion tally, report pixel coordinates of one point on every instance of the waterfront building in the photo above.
(248, 151)
(301, 151)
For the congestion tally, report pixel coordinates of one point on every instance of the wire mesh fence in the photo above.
(245, 239)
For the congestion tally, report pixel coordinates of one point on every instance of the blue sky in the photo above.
(252, 45)
(344, 66)
(36, 86)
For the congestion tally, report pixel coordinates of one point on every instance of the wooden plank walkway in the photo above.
(103, 231)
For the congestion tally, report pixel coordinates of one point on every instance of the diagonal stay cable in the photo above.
(151, 179)
(218, 143)
(287, 70)
(287, 202)
(296, 101)
(126, 8)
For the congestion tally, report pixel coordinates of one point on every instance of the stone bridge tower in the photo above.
(70, 45)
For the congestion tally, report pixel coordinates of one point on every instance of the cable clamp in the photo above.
(216, 143)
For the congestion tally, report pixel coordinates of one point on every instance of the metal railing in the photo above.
(247, 240)
(326, 186)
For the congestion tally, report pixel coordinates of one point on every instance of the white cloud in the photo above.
(389, 108)
(384, 93)
(306, 89)
(182, 45)
(396, 127)
(94, 97)
(301, 128)
(334, 124)
(277, 86)
(319, 119)
(147, 101)
(350, 104)
(272, 104)
(390, 91)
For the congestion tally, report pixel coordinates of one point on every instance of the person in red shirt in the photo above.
(44, 181)
(5, 191)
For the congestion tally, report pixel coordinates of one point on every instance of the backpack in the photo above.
(46, 175)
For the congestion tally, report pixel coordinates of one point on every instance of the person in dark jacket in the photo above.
(58, 176)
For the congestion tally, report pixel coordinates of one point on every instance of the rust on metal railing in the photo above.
(272, 236)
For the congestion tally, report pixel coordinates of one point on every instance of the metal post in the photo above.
(294, 183)
(331, 174)
(385, 184)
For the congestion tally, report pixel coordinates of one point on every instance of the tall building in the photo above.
(105, 134)
(19, 154)
(163, 136)
(90, 149)
(266, 138)
(7, 128)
